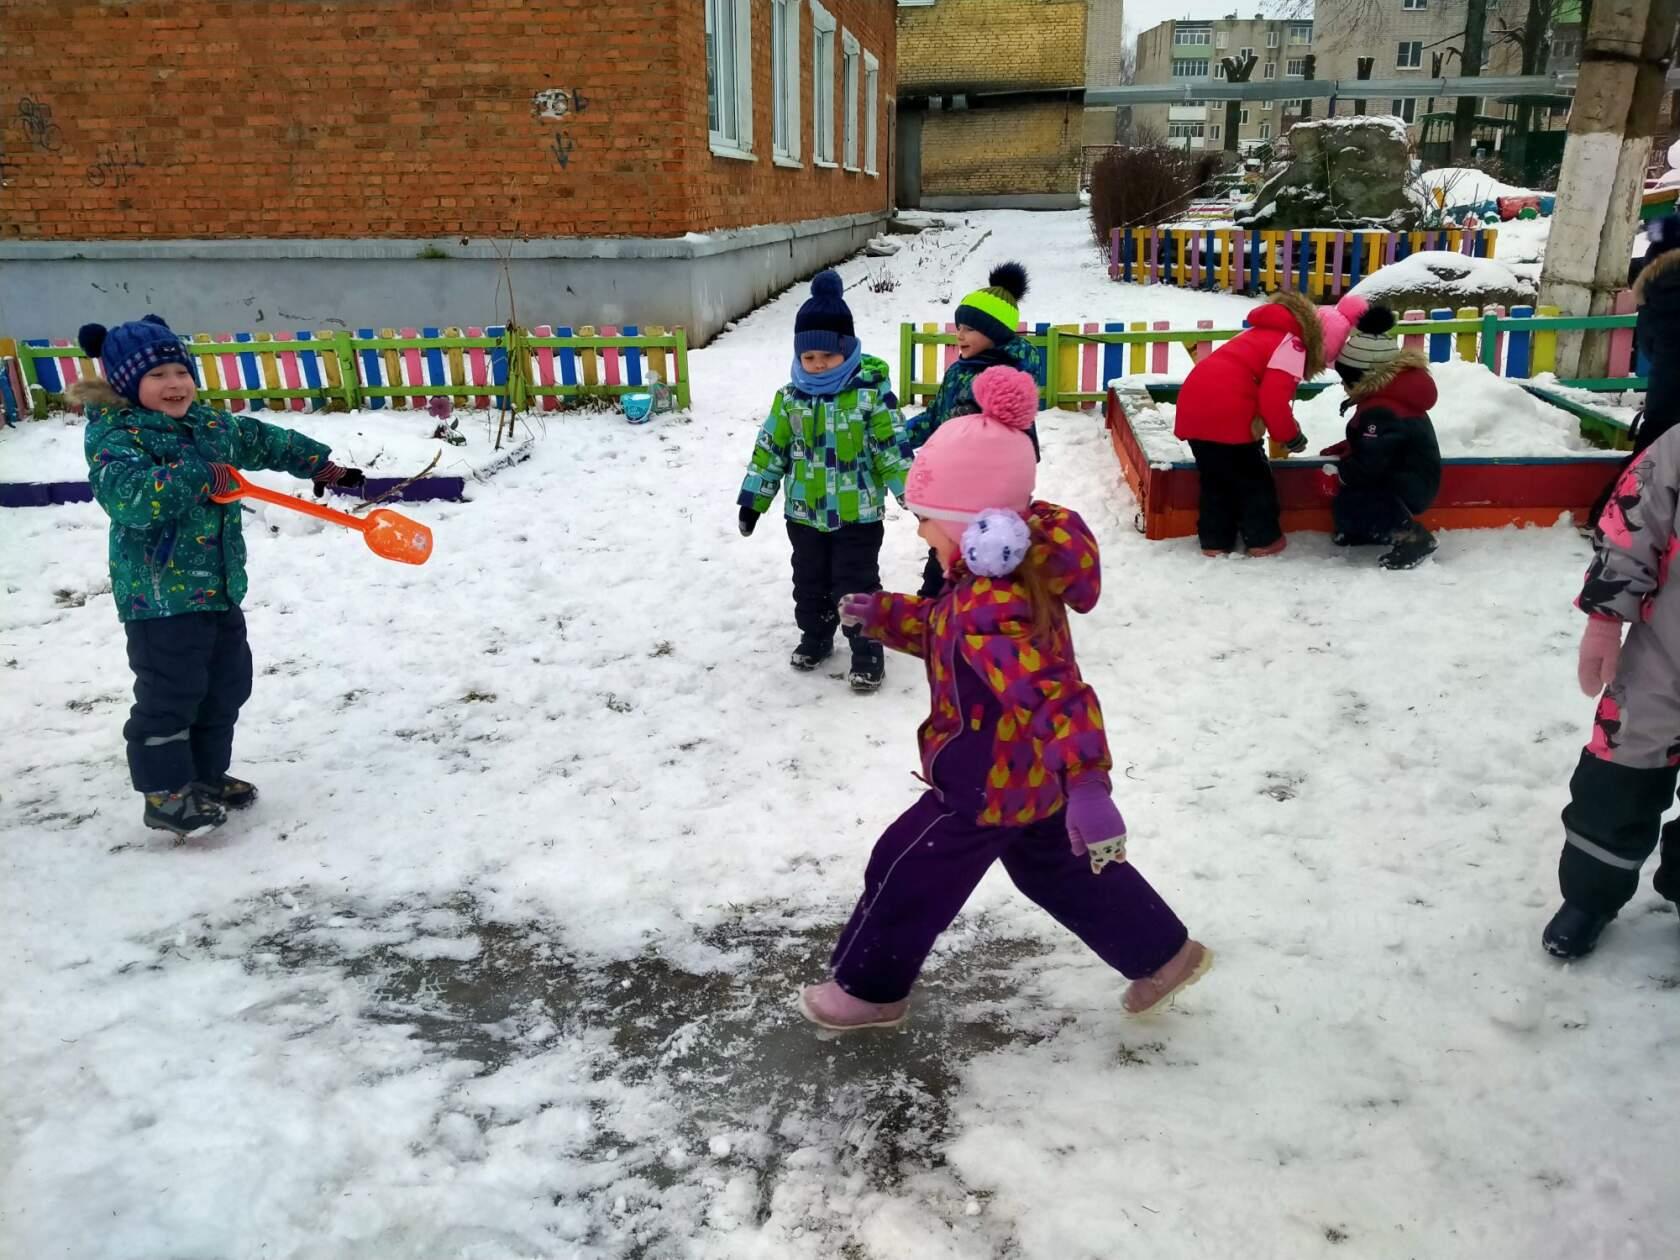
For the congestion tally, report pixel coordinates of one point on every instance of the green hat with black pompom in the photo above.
(994, 311)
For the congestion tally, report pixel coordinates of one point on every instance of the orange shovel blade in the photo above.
(388, 534)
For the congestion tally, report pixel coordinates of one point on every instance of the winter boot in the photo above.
(1573, 932)
(1182, 970)
(185, 813)
(227, 791)
(812, 651)
(1271, 548)
(869, 665)
(1411, 548)
(829, 1006)
(1213, 553)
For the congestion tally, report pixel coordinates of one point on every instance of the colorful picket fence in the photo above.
(1234, 260)
(391, 368)
(1077, 361)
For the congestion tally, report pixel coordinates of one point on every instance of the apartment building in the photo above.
(1192, 51)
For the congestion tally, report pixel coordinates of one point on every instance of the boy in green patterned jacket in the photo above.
(836, 437)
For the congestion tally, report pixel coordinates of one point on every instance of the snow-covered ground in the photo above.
(501, 964)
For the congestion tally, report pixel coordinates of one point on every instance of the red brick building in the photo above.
(366, 161)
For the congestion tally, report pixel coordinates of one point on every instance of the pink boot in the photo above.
(1271, 548)
(830, 1006)
(1181, 971)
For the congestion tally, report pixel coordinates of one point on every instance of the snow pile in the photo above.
(1480, 416)
(1444, 273)
(1467, 186)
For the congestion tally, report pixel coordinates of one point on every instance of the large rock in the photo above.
(1435, 278)
(1345, 173)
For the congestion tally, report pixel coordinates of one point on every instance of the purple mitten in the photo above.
(855, 609)
(1094, 826)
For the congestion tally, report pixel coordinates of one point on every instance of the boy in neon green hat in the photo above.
(986, 337)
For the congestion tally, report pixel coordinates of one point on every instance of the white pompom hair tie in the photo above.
(996, 543)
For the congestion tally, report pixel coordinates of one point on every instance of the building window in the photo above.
(1300, 33)
(1192, 35)
(1405, 108)
(1190, 67)
(1243, 54)
(1185, 130)
(1245, 117)
(1222, 39)
(1219, 69)
(1272, 38)
(822, 85)
(1213, 132)
(852, 70)
(784, 74)
(1410, 5)
(1267, 106)
(871, 119)
(1410, 55)
(1265, 131)
(729, 74)
(1296, 69)
(1270, 71)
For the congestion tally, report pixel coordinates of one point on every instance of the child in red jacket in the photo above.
(1242, 389)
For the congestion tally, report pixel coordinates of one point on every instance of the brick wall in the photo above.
(991, 45)
(395, 118)
(1031, 149)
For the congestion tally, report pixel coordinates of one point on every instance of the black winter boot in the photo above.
(227, 791)
(1573, 932)
(1411, 548)
(185, 813)
(812, 651)
(869, 665)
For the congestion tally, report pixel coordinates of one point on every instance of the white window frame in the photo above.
(735, 83)
(1213, 131)
(784, 82)
(1270, 72)
(1265, 131)
(851, 77)
(1273, 38)
(825, 36)
(1194, 37)
(1243, 53)
(1402, 104)
(1295, 68)
(872, 121)
(1300, 33)
(1219, 69)
(1181, 61)
(1400, 62)
(1222, 39)
(1412, 6)
(1243, 119)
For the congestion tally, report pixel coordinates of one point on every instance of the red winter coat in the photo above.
(1252, 376)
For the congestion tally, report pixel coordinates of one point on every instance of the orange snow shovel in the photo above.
(387, 533)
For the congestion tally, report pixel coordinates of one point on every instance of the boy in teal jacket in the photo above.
(836, 437)
(155, 457)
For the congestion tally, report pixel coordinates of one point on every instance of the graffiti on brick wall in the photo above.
(39, 129)
(558, 103)
(115, 165)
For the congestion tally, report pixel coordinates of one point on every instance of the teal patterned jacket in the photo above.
(839, 456)
(956, 388)
(172, 550)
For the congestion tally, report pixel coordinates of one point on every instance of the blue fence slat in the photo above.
(309, 361)
(46, 370)
(498, 365)
(1440, 344)
(568, 359)
(373, 372)
(249, 370)
(1113, 357)
(436, 373)
(632, 356)
(1519, 347)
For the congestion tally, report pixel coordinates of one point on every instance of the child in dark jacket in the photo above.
(1389, 465)
(836, 436)
(1242, 390)
(1625, 779)
(986, 322)
(1013, 749)
(155, 457)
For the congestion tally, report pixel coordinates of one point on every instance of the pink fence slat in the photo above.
(949, 353)
(1286, 265)
(414, 372)
(1498, 342)
(1200, 348)
(478, 370)
(233, 377)
(1158, 350)
(290, 375)
(610, 356)
(1088, 368)
(69, 370)
(545, 368)
(1336, 264)
(1413, 341)
(1623, 360)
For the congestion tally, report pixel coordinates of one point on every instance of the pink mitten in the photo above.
(1601, 653)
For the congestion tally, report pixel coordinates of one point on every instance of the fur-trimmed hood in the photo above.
(1305, 315)
(94, 391)
(1662, 273)
(1382, 376)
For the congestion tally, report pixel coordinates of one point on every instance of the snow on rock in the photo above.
(1441, 277)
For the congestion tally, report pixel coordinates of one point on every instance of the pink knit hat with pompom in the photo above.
(1337, 322)
(976, 462)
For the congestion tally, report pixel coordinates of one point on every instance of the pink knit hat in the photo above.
(974, 462)
(1337, 322)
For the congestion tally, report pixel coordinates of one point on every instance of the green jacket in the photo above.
(839, 456)
(172, 550)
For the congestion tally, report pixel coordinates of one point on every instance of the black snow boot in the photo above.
(227, 791)
(185, 813)
(1411, 548)
(1573, 932)
(812, 651)
(869, 665)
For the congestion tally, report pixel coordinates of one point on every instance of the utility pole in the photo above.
(1618, 97)
(1470, 65)
(1236, 71)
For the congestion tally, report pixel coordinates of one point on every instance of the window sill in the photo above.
(788, 163)
(732, 153)
(873, 174)
(827, 166)
(853, 170)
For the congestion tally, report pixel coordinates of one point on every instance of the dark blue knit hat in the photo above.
(1663, 235)
(825, 321)
(128, 351)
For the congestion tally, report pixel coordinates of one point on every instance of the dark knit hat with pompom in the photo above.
(1371, 343)
(128, 351)
(825, 321)
(994, 311)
